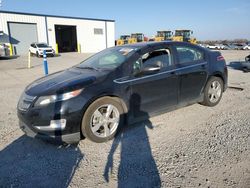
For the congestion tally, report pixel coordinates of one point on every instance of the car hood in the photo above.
(45, 48)
(63, 81)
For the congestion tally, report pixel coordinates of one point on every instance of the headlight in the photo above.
(44, 100)
(40, 50)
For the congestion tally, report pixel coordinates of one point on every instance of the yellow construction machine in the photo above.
(184, 35)
(136, 37)
(123, 40)
(163, 35)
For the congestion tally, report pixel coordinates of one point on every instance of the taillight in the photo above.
(220, 58)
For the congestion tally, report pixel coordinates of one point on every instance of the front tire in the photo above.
(213, 91)
(102, 119)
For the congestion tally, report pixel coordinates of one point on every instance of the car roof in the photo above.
(39, 43)
(147, 44)
(143, 45)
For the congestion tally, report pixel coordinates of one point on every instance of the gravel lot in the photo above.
(195, 146)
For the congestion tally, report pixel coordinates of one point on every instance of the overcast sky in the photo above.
(209, 19)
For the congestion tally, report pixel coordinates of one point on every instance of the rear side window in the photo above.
(188, 54)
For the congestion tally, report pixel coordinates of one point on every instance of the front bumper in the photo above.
(59, 121)
(47, 53)
(67, 138)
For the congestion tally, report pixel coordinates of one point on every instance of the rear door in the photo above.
(192, 70)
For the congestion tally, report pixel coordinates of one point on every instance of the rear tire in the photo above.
(213, 91)
(102, 119)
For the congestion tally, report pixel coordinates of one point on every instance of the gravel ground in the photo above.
(195, 146)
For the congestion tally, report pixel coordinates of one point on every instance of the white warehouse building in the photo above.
(67, 34)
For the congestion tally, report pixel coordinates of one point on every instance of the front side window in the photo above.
(161, 58)
(188, 54)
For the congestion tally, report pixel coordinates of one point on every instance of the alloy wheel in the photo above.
(214, 91)
(105, 120)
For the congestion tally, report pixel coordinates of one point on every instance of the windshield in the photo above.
(160, 34)
(178, 33)
(164, 34)
(124, 37)
(42, 45)
(185, 34)
(138, 36)
(110, 58)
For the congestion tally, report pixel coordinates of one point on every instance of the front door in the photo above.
(153, 91)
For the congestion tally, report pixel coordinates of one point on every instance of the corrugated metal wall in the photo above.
(21, 36)
(39, 20)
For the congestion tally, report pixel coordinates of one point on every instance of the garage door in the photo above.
(21, 36)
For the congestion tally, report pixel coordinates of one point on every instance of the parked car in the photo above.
(118, 85)
(238, 46)
(216, 46)
(222, 47)
(246, 47)
(212, 46)
(202, 45)
(228, 46)
(38, 48)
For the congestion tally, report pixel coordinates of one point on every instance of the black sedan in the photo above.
(121, 85)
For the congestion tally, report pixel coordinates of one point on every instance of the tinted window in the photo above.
(160, 57)
(188, 54)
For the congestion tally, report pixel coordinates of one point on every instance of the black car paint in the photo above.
(246, 65)
(173, 87)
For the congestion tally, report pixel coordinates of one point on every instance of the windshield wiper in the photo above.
(88, 67)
